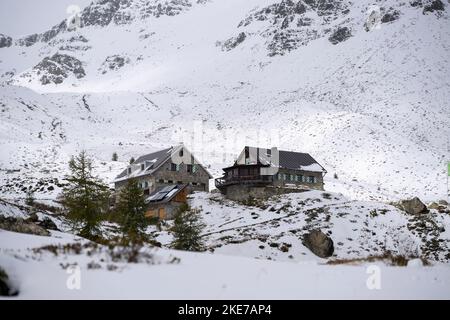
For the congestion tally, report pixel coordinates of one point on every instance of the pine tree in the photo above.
(130, 209)
(187, 229)
(115, 157)
(132, 160)
(29, 200)
(85, 197)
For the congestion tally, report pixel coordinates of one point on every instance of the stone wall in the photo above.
(243, 193)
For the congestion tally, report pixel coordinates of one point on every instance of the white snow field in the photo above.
(373, 108)
(369, 101)
(235, 266)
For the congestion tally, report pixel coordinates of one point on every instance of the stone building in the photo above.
(174, 165)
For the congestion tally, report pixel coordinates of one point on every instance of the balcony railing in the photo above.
(255, 179)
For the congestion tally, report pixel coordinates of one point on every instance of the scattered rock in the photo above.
(5, 41)
(57, 68)
(390, 16)
(413, 206)
(113, 63)
(233, 42)
(48, 224)
(319, 243)
(339, 35)
(22, 226)
(436, 5)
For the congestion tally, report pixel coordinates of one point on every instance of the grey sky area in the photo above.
(23, 17)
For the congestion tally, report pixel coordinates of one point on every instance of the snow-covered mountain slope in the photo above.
(237, 234)
(369, 100)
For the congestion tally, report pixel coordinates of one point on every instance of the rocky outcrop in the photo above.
(319, 243)
(339, 35)
(436, 5)
(291, 24)
(5, 41)
(57, 68)
(113, 63)
(22, 226)
(413, 206)
(233, 42)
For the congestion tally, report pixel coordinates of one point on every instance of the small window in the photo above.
(179, 182)
(194, 168)
(146, 184)
(299, 178)
(142, 166)
(169, 181)
(292, 178)
(161, 180)
(189, 168)
(181, 153)
(129, 170)
(285, 177)
(194, 183)
(173, 167)
(311, 179)
(269, 152)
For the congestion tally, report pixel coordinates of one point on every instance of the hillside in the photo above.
(368, 98)
(236, 234)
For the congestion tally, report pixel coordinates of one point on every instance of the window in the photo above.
(179, 182)
(161, 180)
(129, 170)
(285, 176)
(145, 184)
(194, 168)
(269, 152)
(292, 177)
(169, 181)
(311, 179)
(142, 166)
(194, 183)
(173, 167)
(181, 153)
(189, 168)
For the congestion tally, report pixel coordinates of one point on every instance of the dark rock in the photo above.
(390, 16)
(436, 5)
(28, 40)
(22, 226)
(33, 217)
(5, 287)
(56, 69)
(5, 41)
(339, 35)
(48, 224)
(114, 62)
(234, 42)
(413, 206)
(319, 243)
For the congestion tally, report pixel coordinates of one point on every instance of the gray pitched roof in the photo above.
(293, 160)
(153, 161)
(287, 159)
(158, 158)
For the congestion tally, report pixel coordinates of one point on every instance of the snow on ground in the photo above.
(229, 270)
(206, 276)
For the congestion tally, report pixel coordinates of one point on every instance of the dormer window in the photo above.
(129, 170)
(142, 166)
(181, 153)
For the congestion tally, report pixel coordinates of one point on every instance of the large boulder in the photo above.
(319, 243)
(413, 206)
